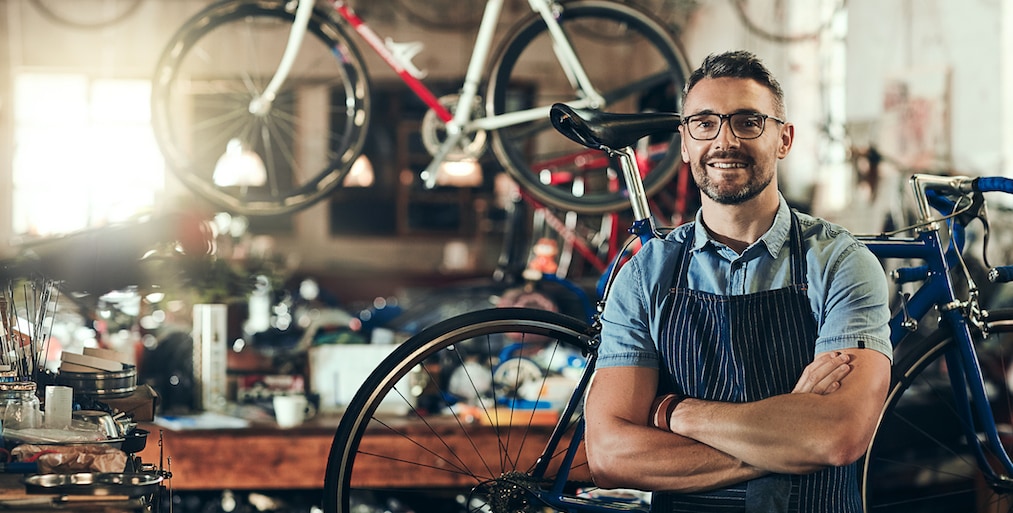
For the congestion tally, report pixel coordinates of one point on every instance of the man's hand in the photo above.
(824, 374)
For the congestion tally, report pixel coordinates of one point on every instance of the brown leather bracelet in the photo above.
(663, 412)
(670, 408)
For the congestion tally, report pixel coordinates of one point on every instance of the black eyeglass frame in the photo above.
(724, 117)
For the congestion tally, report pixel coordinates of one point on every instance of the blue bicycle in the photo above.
(450, 421)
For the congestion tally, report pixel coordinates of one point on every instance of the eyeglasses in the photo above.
(744, 125)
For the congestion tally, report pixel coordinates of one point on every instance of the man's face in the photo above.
(727, 169)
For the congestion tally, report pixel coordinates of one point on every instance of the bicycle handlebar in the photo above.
(1002, 273)
(934, 191)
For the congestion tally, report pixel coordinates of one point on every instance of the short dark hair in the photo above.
(737, 64)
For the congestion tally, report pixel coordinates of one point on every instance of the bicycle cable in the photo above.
(920, 224)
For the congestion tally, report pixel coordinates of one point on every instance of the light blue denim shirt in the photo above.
(847, 286)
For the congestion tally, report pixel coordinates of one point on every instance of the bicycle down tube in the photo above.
(459, 122)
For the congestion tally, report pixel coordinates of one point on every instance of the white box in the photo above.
(210, 354)
(337, 371)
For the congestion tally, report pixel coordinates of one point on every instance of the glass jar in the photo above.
(20, 406)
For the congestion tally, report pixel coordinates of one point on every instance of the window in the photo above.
(84, 156)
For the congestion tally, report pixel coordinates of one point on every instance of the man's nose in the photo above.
(725, 138)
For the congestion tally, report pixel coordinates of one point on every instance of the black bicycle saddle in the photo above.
(610, 131)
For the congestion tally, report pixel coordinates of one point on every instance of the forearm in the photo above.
(829, 424)
(647, 458)
(793, 433)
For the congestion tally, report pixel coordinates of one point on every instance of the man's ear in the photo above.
(787, 137)
(682, 143)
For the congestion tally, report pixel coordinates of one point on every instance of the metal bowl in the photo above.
(100, 420)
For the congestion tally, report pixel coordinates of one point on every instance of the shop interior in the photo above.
(226, 314)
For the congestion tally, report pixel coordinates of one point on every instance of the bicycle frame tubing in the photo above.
(460, 121)
(937, 291)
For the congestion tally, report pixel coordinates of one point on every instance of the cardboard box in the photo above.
(140, 405)
(337, 371)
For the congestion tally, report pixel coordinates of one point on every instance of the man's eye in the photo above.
(750, 122)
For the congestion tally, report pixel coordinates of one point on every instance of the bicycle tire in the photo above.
(919, 459)
(217, 62)
(439, 353)
(654, 72)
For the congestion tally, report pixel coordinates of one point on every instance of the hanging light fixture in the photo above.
(459, 173)
(239, 167)
(361, 173)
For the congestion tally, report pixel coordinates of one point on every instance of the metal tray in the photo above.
(92, 483)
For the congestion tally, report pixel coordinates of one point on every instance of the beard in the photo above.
(757, 182)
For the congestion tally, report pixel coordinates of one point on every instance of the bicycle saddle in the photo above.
(610, 131)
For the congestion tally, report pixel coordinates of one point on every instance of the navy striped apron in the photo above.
(742, 349)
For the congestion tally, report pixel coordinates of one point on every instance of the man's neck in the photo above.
(738, 226)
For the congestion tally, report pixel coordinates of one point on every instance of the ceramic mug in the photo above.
(290, 410)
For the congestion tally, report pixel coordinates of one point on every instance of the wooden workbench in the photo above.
(265, 457)
(260, 457)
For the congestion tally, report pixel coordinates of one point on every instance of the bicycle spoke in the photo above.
(215, 68)
(475, 425)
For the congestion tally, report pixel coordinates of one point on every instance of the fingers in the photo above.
(824, 374)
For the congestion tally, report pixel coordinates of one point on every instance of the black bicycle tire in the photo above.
(915, 356)
(513, 159)
(343, 147)
(337, 489)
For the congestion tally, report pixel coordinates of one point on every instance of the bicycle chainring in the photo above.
(434, 131)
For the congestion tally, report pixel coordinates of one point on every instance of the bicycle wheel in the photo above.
(920, 459)
(465, 407)
(216, 64)
(526, 74)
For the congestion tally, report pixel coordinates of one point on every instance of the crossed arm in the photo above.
(827, 420)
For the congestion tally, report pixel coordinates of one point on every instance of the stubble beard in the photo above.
(757, 182)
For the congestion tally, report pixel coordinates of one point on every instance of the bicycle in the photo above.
(284, 81)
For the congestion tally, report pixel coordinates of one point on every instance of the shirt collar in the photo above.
(775, 238)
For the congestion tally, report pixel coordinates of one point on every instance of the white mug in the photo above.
(290, 410)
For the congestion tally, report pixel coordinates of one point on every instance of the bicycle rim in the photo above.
(207, 76)
(445, 417)
(637, 67)
(920, 460)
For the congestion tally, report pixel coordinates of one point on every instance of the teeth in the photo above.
(727, 165)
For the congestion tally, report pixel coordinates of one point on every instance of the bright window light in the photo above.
(84, 153)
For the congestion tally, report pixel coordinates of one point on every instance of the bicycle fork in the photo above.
(977, 410)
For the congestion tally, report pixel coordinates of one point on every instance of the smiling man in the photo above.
(745, 357)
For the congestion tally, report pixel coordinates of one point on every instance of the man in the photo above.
(745, 357)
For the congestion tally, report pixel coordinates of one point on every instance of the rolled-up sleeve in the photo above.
(856, 313)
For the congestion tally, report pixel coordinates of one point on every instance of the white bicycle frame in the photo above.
(460, 122)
